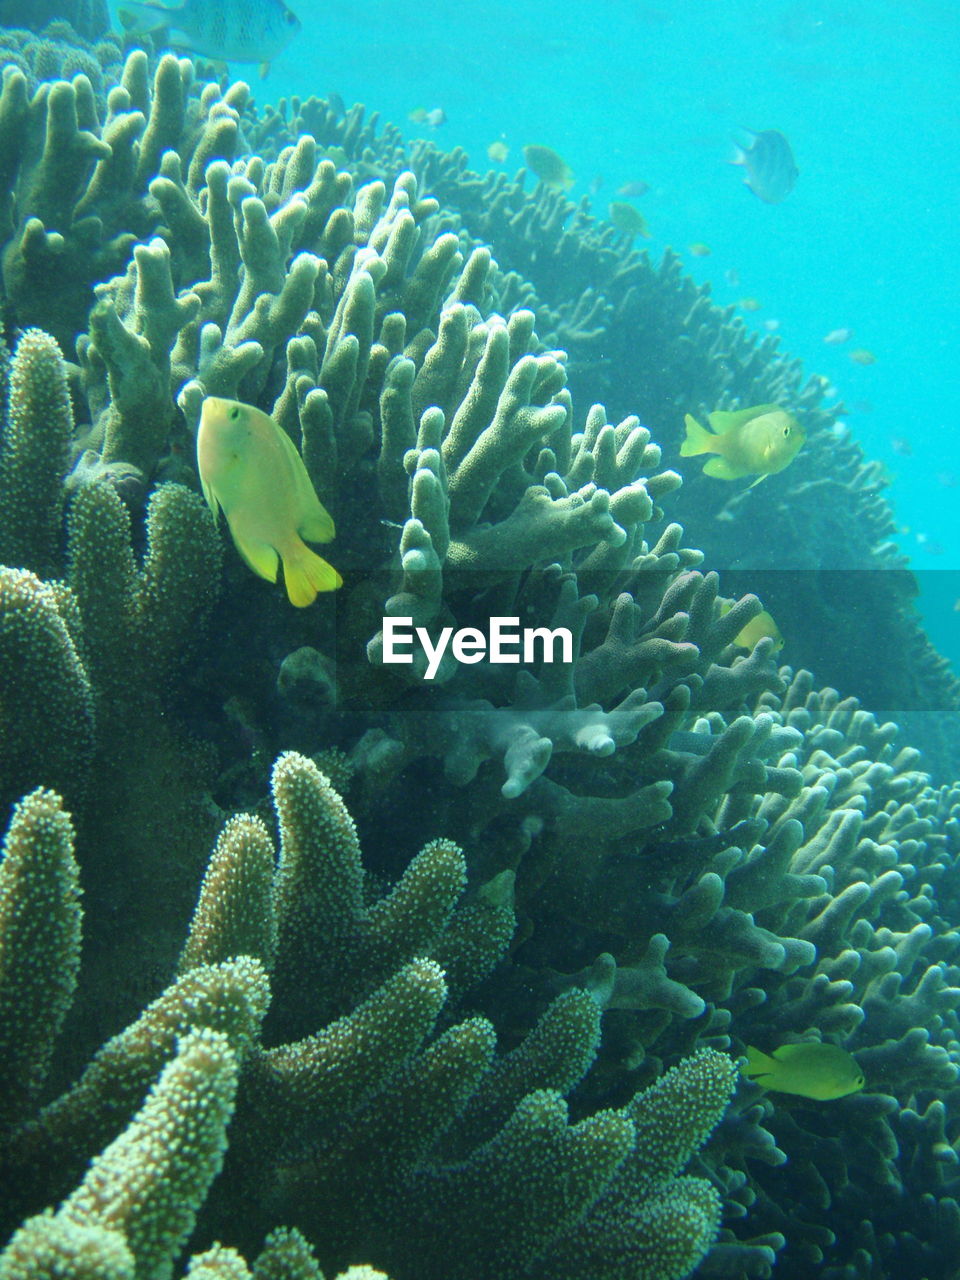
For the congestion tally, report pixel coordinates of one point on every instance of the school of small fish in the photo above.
(269, 529)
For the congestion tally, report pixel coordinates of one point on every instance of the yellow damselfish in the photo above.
(251, 470)
(810, 1070)
(757, 629)
(749, 442)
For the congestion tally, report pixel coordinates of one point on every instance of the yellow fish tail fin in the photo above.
(698, 439)
(758, 1064)
(306, 574)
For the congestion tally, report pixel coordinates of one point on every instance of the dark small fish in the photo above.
(633, 190)
(433, 119)
(770, 167)
(628, 220)
(229, 30)
(551, 168)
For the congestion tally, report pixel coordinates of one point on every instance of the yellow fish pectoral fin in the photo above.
(210, 496)
(724, 420)
(698, 439)
(721, 469)
(305, 574)
(260, 556)
(317, 524)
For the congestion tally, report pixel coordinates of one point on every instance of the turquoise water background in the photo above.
(869, 238)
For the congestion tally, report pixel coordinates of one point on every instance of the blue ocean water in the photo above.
(631, 91)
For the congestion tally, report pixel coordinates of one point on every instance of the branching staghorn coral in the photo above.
(96, 659)
(151, 177)
(89, 18)
(614, 311)
(637, 802)
(349, 1130)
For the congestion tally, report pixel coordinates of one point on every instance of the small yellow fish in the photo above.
(749, 304)
(863, 356)
(628, 220)
(757, 629)
(497, 151)
(749, 442)
(251, 469)
(810, 1070)
(551, 168)
(700, 250)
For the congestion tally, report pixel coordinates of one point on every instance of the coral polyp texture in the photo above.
(359, 1115)
(255, 1052)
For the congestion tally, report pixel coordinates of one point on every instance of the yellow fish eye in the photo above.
(786, 432)
(234, 413)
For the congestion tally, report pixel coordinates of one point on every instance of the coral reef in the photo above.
(89, 18)
(56, 52)
(499, 1057)
(360, 1115)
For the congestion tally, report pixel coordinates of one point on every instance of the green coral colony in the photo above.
(513, 1053)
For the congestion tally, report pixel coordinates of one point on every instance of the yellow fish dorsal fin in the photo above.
(314, 521)
(723, 420)
(305, 574)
